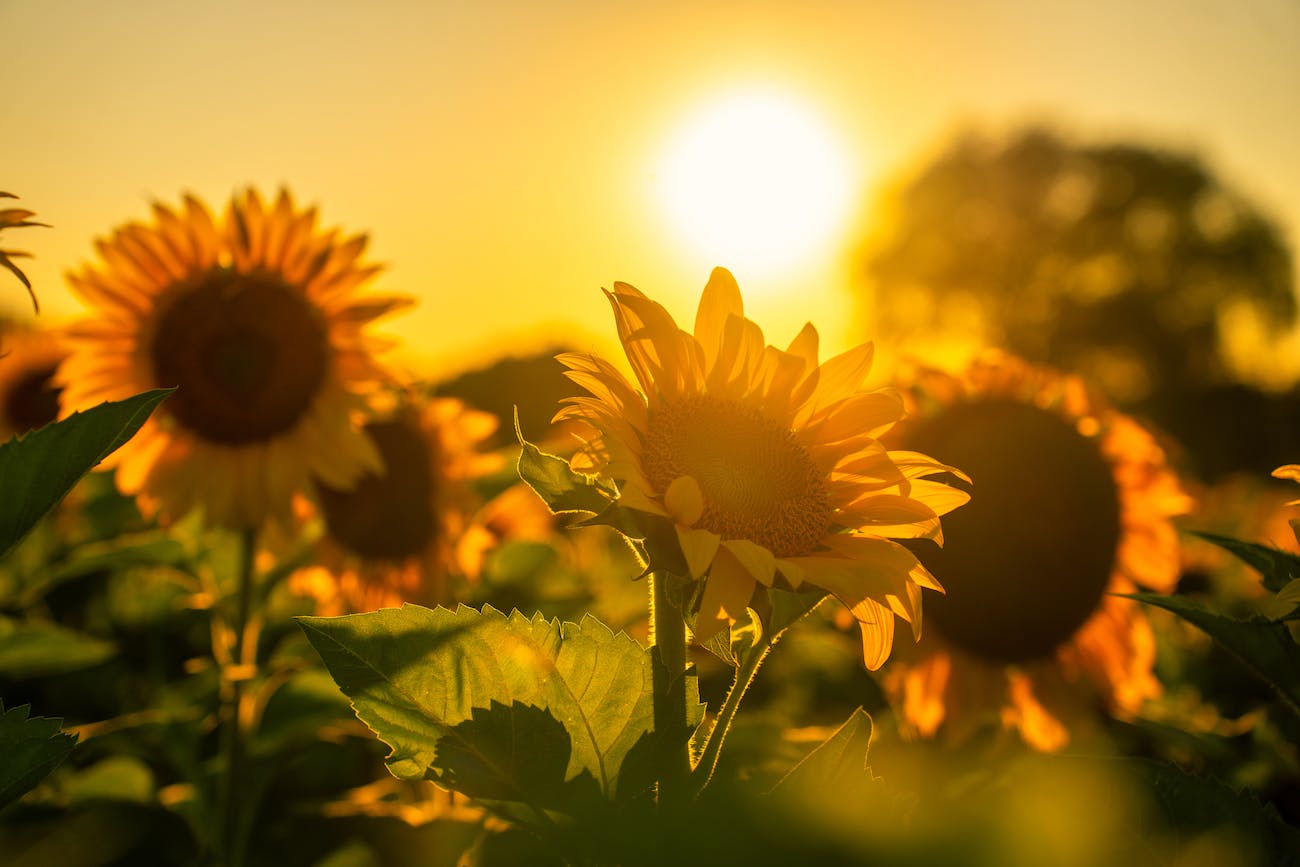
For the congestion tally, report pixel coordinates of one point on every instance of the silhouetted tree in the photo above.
(1117, 261)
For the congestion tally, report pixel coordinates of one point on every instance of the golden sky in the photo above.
(507, 157)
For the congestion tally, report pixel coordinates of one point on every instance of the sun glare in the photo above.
(755, 180)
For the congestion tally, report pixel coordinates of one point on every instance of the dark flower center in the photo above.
(388, 517)
(758, 481)
(32, 401)
(248, 352)
(1028, 559)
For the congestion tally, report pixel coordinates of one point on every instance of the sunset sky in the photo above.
(510, 158)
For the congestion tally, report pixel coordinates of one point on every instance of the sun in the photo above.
(757, 180)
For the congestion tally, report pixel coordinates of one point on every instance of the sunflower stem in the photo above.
(668, 660)
(745, 672)
(230, 835)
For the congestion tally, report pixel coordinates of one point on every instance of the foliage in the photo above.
(39, 469)
(32, 747)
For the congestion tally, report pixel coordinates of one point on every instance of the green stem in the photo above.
(668, 659)
(713, 746)
(232, 745)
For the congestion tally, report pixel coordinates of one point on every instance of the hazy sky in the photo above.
(503, 156)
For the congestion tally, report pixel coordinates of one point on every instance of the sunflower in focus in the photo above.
(28, 397)
(1074, 504)
(766, 464)
(396, 535)
(254, 316)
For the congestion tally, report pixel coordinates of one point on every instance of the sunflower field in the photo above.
(307, 610)
(983, 549)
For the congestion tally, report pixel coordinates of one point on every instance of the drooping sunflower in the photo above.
(254, 317)
(396, 535)
(767, 464)
(28, 397)
(16, 218)
(1074, 504)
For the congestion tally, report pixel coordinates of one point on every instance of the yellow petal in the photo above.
(1289, 471)
(877, 636)
(720, 299)
(698, 548)
(759, 562)
(727, 591)
(684, 500)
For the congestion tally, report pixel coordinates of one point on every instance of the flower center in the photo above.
(388, 517)
(33, 401)
(248, 352)
(1028, 559)
(758, 482)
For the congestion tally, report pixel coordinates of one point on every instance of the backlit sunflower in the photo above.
(767, 464)
(28, 397)
(1074, 504)
(396, 535)
(254, 317)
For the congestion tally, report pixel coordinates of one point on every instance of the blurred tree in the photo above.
(531, 384)
(1120, 262)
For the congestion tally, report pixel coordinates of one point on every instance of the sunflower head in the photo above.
(761, 467)
(1075, 503)
(254, 316)
(29, 399)
(398, 533)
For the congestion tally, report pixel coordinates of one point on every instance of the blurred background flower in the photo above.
(1072, 503)
(29, 399)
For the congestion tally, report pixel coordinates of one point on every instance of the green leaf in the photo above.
(789, 607)
(297, 711)
(1199, 804)
(1263, 646)
(838, 764)
(32, 747)
(563, 490)
(115, 778)
(514, 752)
(415, 673)
(152, 548)
(1276, 566)
(42, 649)
(37, 471)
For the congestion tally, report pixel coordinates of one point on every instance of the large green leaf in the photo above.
(37, 471)
(45, 649)
(32, 747)
(415, 673)
(514, 752)
(1277, 567)
(1264, 646)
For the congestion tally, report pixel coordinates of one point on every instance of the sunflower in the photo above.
(1074, 505)
(28, 397)
(17, 218)
(395, 536)
(254, 317)
(767, 464)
